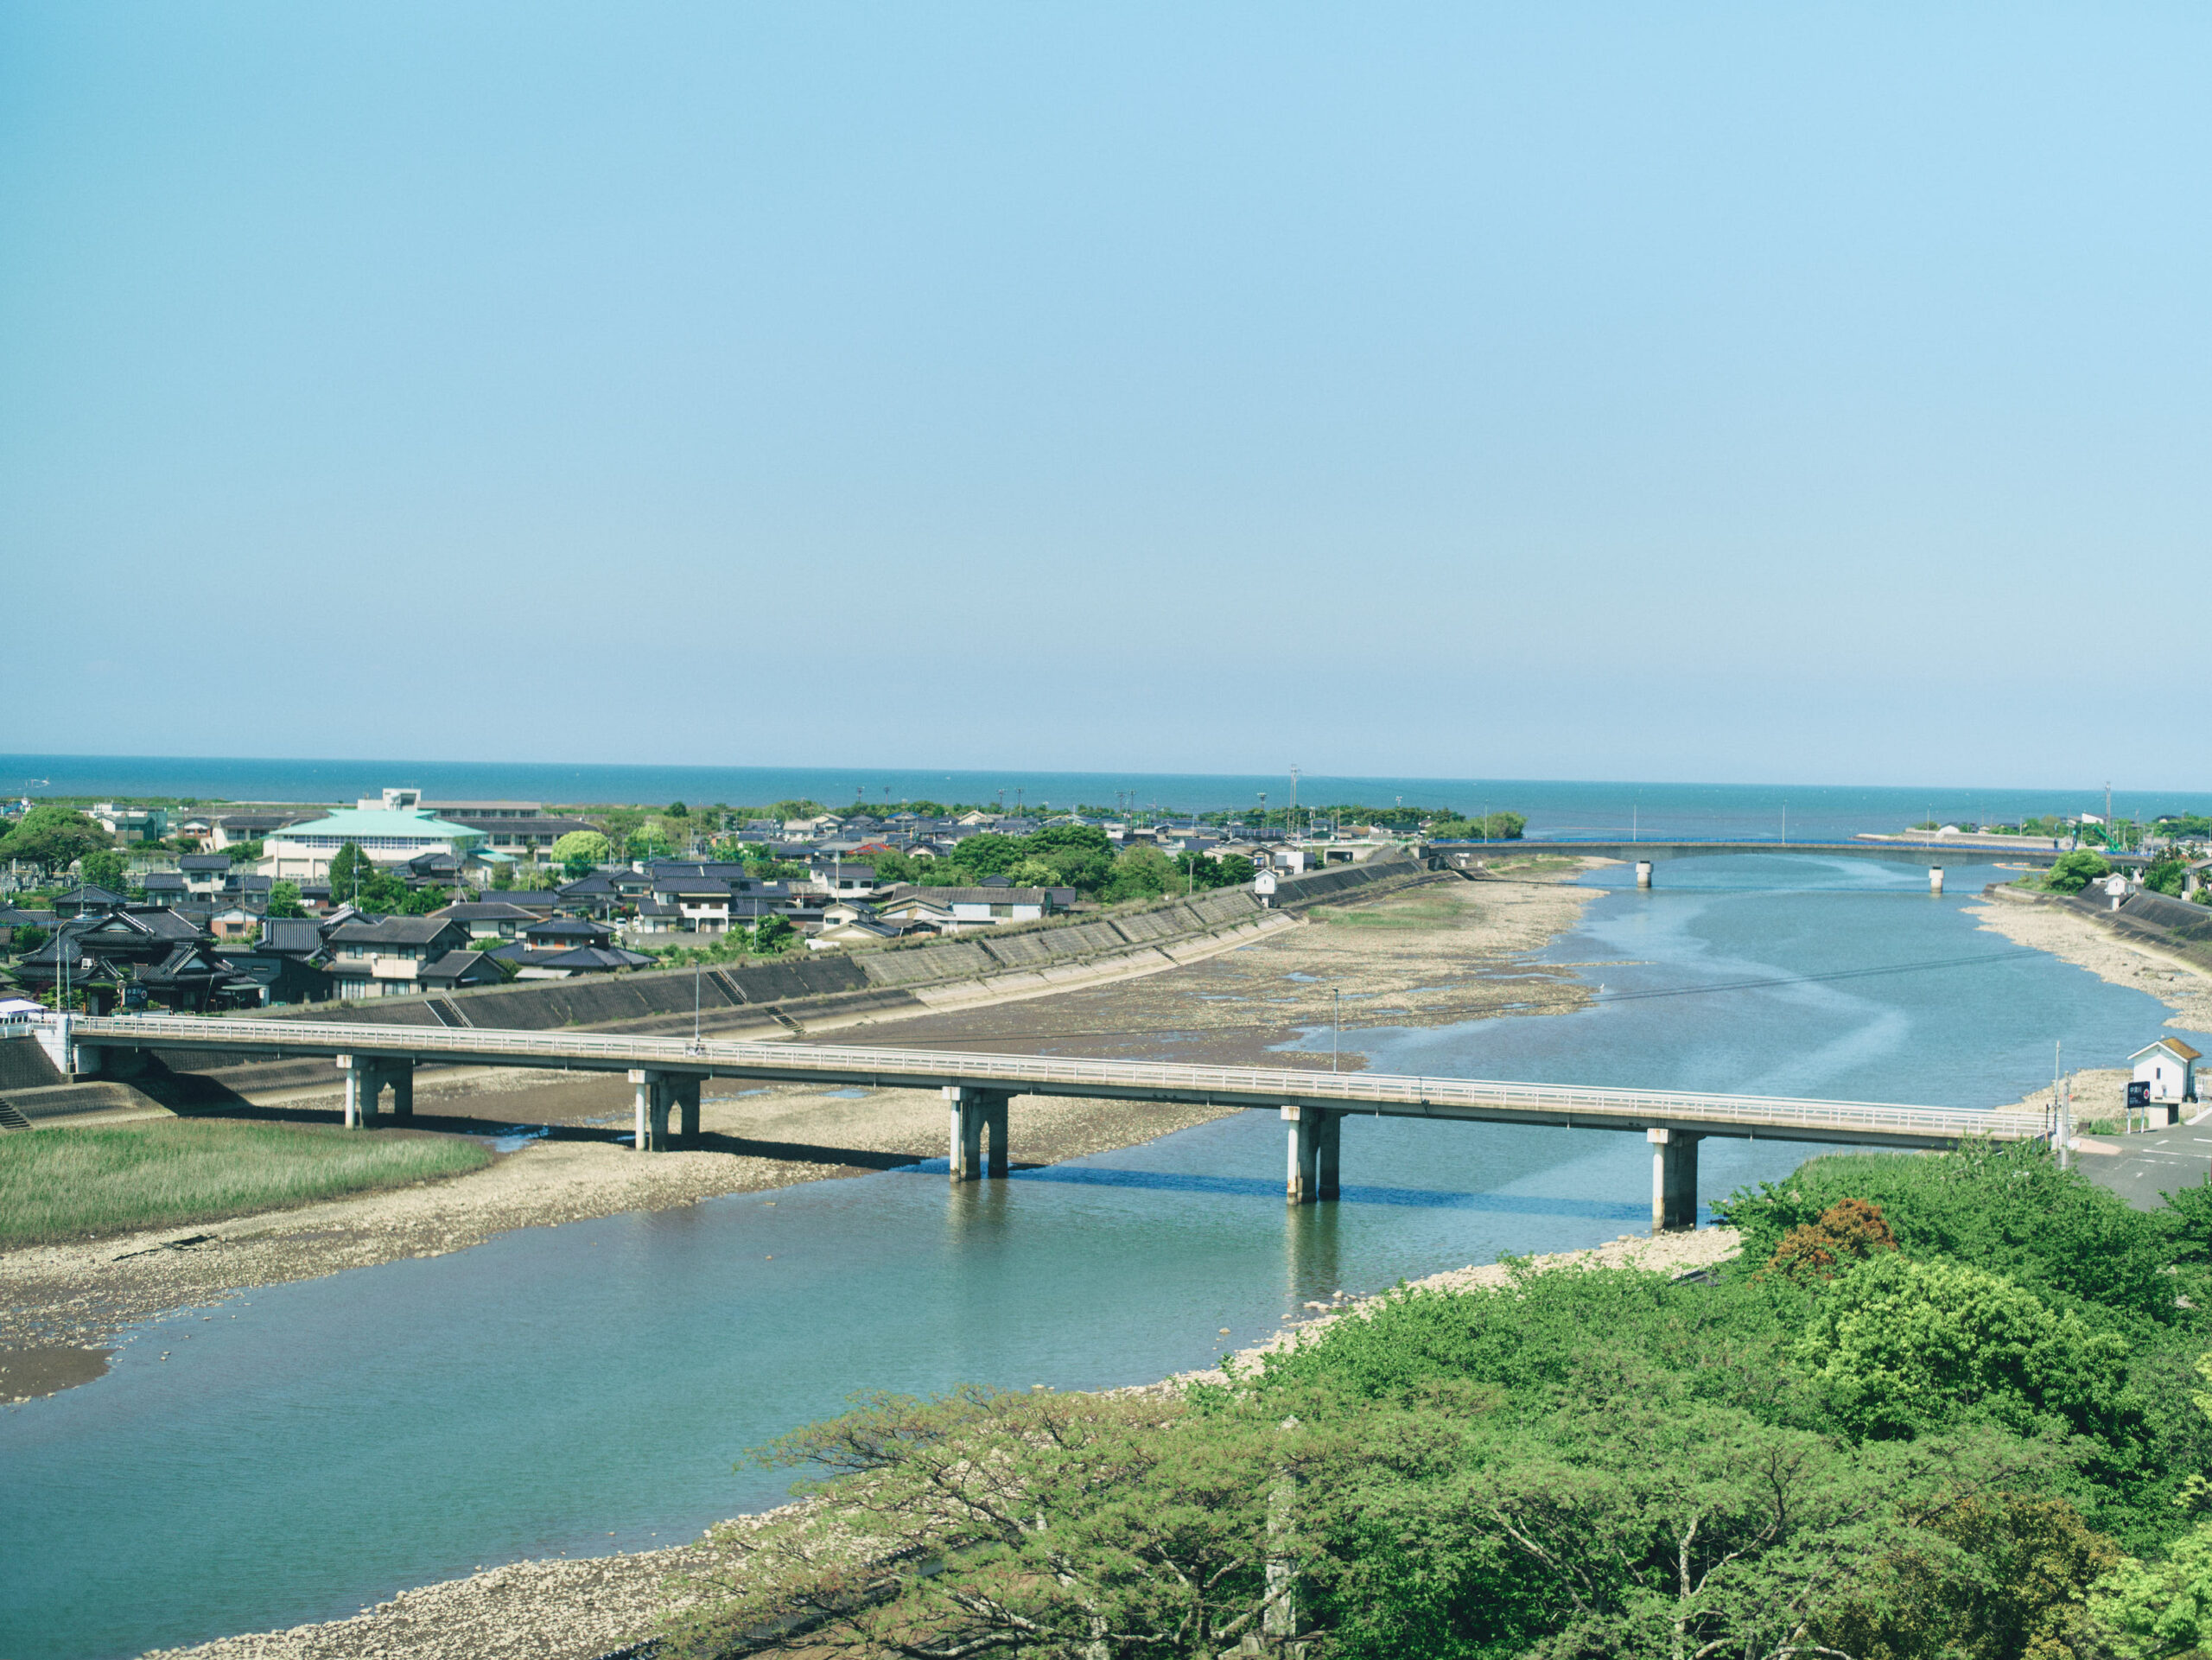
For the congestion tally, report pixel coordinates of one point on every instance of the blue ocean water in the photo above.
(306, 1449)
(1553, 807)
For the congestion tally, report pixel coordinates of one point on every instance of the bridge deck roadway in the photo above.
(1910, 853)
(1780, 1118)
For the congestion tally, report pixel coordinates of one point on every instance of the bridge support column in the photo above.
(686, 1093)
(365, 1078)
(1936, 879)
(655, 1090)
(1314, 1142)
(1644, 873)
(974, 1115)
(1673, 1179)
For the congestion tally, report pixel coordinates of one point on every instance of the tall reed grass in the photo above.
(74, 1183)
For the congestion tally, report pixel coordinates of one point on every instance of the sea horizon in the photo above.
(1562, 807)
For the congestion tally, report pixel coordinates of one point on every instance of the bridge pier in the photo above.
(657, 1092)
(1644, 873)
(1673, 1179)
(365, 1078)
(973, 1112)
(1935, 880)
(1315, 1141)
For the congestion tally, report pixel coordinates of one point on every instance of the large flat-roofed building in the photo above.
(452, 811)
(303, 852)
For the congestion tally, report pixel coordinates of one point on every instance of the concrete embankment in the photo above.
(794, 996)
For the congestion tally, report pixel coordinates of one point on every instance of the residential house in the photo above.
(127, 959)
(594, 895)
(384, 957)
(835, 879)
(235, 922)
(694, 904)
(290, 961)
(86, 899)
(456, 970)
(565, 933)
(490, 919)
(981, 907)
(203, 873)
(164, 887)
(131, 825)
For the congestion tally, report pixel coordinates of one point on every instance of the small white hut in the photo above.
(2168, 1066)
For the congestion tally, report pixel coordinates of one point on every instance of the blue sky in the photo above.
(1693, 390)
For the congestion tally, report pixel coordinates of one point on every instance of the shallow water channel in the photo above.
(313, 1448)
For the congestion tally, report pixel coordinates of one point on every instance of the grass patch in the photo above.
(70, 1184)
(1424, 913)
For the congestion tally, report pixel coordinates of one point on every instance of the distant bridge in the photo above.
(668, 1073)
(1937, 855)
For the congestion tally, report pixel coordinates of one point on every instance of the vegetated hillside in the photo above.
(1951, 1407)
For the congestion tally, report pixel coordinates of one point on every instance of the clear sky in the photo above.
(1687, 390)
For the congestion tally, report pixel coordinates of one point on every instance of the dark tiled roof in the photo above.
(567, 928)
(215, 862)
(291, 936)
(485, 911)
(456, 966)
(390, 931)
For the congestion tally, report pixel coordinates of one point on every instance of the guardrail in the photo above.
(1413, 1096)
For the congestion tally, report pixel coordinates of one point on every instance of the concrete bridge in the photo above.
(978, 1087)
(1937, 854)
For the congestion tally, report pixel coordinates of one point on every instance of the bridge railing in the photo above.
(1253, 1084)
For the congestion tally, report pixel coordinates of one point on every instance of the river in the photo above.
(309, 1449)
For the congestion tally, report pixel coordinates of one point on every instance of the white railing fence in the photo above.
(923, 1067)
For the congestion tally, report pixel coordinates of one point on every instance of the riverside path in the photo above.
(977, 1087)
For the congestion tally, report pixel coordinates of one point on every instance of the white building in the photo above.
(303, 852)
(2168, 1066)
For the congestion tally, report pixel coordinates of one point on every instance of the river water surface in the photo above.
(313, 1448)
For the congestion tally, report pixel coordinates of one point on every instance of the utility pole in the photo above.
(1335, 1022)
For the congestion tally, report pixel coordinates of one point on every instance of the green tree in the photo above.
(53, 838)
(2072, 872)
(244, 853)
(581, 852)
(2161, 1610)
(284, 900)
(2166, 876)
(1899, 1347)
(350, 871)
(1991, 1576)
(1142, 872)
(677, 810)
(28, 938)
(897, 868)
(104, 868)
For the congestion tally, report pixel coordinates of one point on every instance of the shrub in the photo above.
(1849, 1230)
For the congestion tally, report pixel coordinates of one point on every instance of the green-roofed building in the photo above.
(302, 853)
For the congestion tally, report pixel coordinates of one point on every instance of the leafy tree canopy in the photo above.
(2072, 872)
(53, 838)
